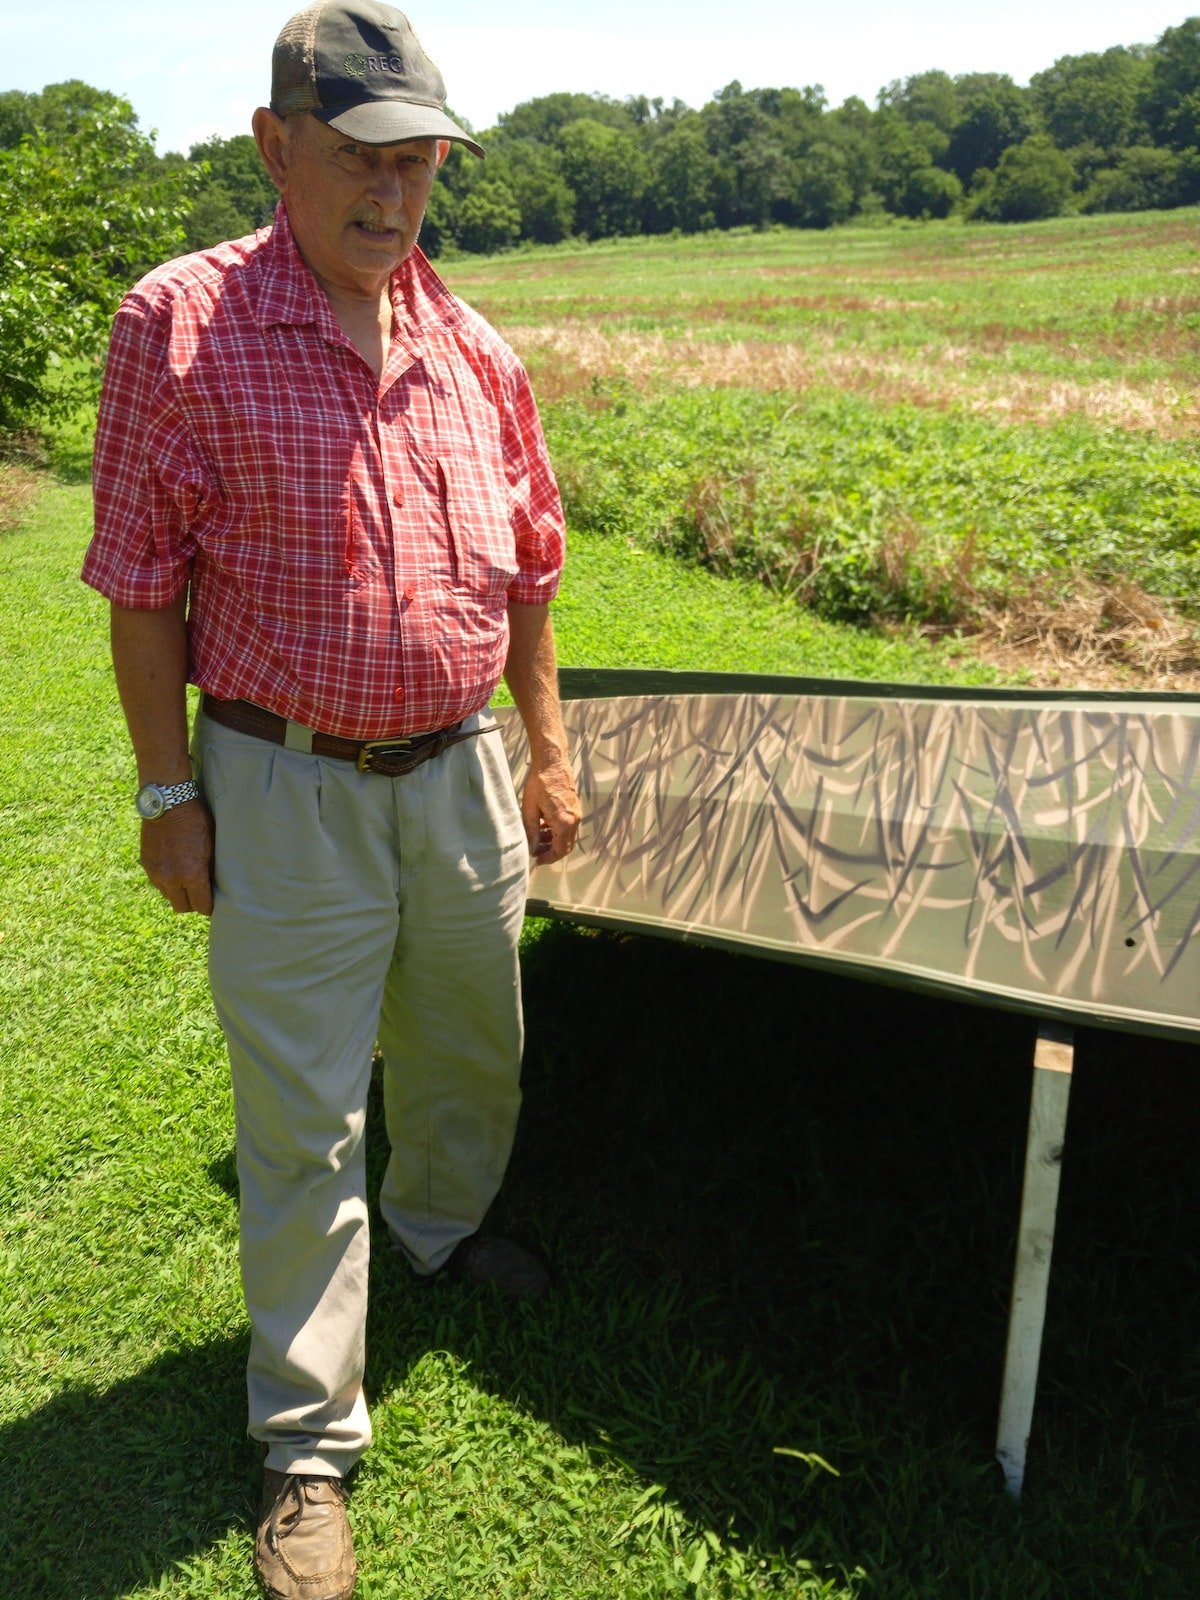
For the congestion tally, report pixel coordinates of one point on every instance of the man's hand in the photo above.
(550, 808)
(177, 852)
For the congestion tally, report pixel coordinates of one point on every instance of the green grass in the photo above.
(1085, 299)
(781, 1205)
(910, 424)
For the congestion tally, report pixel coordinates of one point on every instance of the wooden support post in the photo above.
(1053, 1062)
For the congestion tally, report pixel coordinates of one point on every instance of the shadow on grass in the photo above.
(71, 461)
(782, 1208)
(105, 1491)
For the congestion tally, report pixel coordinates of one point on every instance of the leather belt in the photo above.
(391, 758)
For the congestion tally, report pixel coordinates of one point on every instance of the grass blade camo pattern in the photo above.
(1038, 854)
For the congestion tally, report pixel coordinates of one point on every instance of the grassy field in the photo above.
(1093, 315)
(782, 1206)
(990, 429)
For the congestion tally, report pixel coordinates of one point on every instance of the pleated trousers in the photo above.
(351, 908)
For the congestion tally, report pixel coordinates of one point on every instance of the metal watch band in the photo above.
(174, 794)
(171, 794)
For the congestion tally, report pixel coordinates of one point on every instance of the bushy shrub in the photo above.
(84, 214)
(877, 513)
(1142, 179)
(1032, 180)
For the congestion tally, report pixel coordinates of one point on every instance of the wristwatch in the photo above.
(153, 799)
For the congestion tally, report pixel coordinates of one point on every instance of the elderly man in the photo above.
(323, 497)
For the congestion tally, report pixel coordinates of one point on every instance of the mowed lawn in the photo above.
(782, 1206)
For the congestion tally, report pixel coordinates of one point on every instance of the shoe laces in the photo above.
(290, 1503)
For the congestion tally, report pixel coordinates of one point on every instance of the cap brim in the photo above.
(391, 121)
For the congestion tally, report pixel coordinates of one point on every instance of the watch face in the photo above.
(150, 802)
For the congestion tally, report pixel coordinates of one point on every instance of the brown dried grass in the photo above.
(568, 359)
(18, 485)
(1096, 637)
(1166, 305)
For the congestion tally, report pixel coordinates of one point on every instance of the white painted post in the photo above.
(1053, 1061)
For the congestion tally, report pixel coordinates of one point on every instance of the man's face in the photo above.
(355, 209)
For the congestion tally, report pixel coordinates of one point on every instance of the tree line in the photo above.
(1117, 130)
(86, 203)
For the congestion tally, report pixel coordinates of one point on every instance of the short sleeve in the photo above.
(150, 479)
(536, 508)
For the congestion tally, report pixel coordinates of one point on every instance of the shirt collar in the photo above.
(420, 299)
(290, 293)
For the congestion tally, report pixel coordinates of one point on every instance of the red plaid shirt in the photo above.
(351, 546)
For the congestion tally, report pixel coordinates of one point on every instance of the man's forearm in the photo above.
(531, 673)
(550, 805)
(150, 659)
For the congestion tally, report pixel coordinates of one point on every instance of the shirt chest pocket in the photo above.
(308, 489)
(474, 505)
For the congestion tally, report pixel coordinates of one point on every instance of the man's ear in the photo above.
(271, 135)
(443, 150)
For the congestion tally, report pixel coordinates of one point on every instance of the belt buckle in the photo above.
(372, 747)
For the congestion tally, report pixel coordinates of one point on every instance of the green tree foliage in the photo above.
(1032, 180)
(235, 195)
(994, 114)
(16, 117)
(1088, 160)
(851, 129)
(74, 106)
(544, 198)
(608, 175)
(213, 217)
(905, 177)
(1092, 99)
(751, 172)
(1144, 178)
(489, 218)
(544, 119)
(796, 114)
(437, 230)
(927, 97)
(87, 209)
(824, 191)
(1171, 102)
(764, 182)
(683, 178)
(932, 193)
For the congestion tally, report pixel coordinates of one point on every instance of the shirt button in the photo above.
(410, 590)
(398, 693)
(398, 497)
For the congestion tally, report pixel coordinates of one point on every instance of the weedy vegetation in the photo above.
(870, 513)
(940, 427)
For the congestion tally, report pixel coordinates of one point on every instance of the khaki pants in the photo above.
(348, 908)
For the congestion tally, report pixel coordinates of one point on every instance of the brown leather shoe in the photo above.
(515, 1269)
(304, 1550)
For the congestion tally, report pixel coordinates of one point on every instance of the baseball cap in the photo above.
(360, 68)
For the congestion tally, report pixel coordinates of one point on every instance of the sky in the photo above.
(200, 70)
